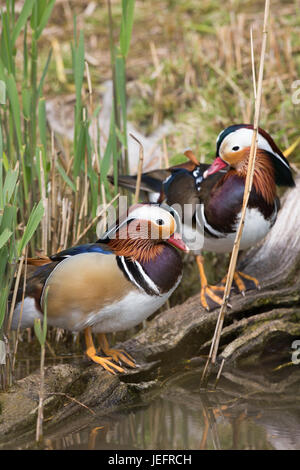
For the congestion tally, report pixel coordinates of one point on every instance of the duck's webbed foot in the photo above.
(105, 362)
(118, 355)
(245, 282)
(210, 296)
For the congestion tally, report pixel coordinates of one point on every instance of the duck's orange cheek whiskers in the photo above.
(177, 241)
(234, 158)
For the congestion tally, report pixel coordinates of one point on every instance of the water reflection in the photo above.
(264, 415)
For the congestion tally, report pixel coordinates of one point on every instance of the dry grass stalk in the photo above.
(83, 206)
(248, 184)
(40, 417)
(253, 62)
(68, 222)
(74, 400)
(138, 182)
(53, 222)
(14, 296)
(67, 167)
(76, 198)
(140, 170)
(64, 217)
(157, 116)
(96, 218)
(60, 69)
(165, 151)
(94, 121)
(21, 310)
(103, 197)
(44, 223)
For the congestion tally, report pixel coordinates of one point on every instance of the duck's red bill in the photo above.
(216, 166)
(177, 241)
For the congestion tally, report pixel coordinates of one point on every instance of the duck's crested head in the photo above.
(145, 227)
(233, 149)
(152, 221)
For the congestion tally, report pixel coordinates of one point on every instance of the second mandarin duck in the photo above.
(216, 194)
(111, 285)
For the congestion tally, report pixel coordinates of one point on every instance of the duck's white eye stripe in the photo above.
(155, 214)
(282, 161)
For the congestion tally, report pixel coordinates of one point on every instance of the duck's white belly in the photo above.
(255, 229)
(127, 313)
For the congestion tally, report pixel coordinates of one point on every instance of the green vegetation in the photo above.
(50, 195)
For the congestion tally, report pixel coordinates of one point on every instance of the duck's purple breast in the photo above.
(165, 269)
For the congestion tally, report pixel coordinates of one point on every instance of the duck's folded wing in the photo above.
(80, 249)
(39, 269)
(152, 181)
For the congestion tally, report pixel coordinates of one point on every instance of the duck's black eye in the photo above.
(236, 148)
(160, 222)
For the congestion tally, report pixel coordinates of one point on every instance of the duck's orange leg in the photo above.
(91, 353)
(118, 355)
(208, 296)
(243, 282)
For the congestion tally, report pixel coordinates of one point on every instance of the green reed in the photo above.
(118, 129)
(49, 195)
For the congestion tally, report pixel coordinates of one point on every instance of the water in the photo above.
(248, 410)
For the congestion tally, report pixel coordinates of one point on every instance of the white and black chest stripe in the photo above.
(135, 273)
(204, 225)
(256, 227)
(259, 219)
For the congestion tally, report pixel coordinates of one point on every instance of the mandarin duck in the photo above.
(216, 194)
(111, 285)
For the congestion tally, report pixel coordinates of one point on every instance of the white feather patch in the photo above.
(255, 229)
(29, 313)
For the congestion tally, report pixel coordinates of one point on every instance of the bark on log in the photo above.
(262, 321)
